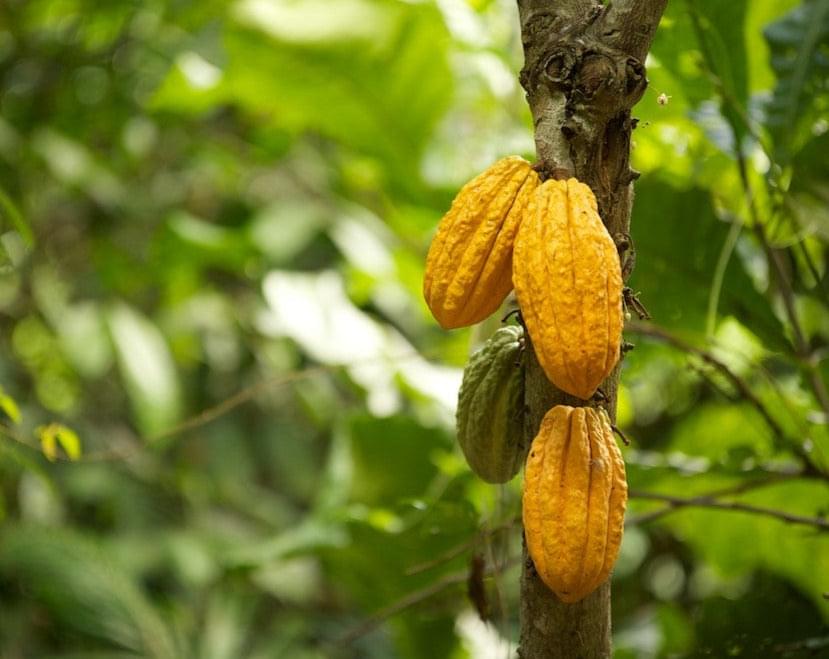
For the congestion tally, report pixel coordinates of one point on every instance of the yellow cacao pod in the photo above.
(575, 494)
(469, 265)
(569, 286)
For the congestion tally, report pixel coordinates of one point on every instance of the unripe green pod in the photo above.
(491, 407)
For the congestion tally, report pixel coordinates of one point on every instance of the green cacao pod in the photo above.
(491, 405)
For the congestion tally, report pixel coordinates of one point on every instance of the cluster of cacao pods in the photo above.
(506, 229)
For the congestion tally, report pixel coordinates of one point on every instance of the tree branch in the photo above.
(629, 25)
(582, 78)
(741, 488)
(656, 332)
(418, 596)
(462, 548)
(801, 345)
(739, 384)
(709, 502)
(564, 8)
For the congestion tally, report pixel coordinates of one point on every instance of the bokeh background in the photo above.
(228, 416)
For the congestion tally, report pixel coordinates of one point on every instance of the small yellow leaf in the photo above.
(57, 433)
(70, 442)
(9, 406)
(48, 444)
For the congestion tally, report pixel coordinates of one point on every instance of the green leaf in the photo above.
(9, 407)
(78, 583)
(74, 165)
(720, 32)
(676, 49)
(727, 434)
(807, 200)
(317, 22)
(392, 458)
(9, 211)
(377, 85)
(771, 618)
(678, 237)
(147, 369)
(314, 310)
(374, 570)
(308, 537)
(738, 543)
(69, 441)
(697, 36)
(798, 43)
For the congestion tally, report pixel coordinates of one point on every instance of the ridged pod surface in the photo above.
(575, 494)
(469, 265)
(490, 408)
(569, 286)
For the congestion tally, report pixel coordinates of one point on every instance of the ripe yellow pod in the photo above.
(569, 286)
(469, 265)
(575, 493)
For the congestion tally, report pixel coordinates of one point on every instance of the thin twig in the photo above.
(737, 382)
(460, 549)
(619, 432)
(787, 295)
(734, 490)
(724, 92)
(820, 282)
(416, 597)
(243, 396)
(773, 257)
(710, 502)
(202, 418)
(742, 387)
(706, 376)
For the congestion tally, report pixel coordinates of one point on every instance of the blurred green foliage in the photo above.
(227, 415)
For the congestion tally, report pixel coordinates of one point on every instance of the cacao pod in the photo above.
(569, 286)
(490, 407)
(469, 265)
(575, 494)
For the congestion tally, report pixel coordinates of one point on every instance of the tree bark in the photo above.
(583, 72)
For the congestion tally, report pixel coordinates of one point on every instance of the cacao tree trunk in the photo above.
(583, 72)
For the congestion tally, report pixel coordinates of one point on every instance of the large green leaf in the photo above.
(799, 45)
(707, 35)
(393, 458)
(720, 32)
(81, 586)
(738, 543)
(729, 435)
(807, 200)
(374, 569)
(372, 76)
(147, 369)
(678, 239)
(676, 49)
(771, 618)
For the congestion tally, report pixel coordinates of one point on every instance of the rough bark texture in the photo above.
(583, 72)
